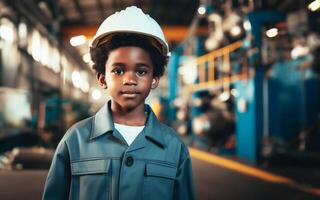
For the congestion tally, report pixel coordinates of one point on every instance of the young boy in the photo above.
(123, 152)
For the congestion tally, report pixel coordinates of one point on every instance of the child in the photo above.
(123, 152)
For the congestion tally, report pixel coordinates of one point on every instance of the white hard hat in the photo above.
(131, 20)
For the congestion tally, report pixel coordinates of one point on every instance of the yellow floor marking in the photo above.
(315, 191)
(233, 165)
(248, 170)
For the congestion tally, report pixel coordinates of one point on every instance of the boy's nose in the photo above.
(129, 79)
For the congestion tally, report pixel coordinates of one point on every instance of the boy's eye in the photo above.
(118, 71)
(141, 72)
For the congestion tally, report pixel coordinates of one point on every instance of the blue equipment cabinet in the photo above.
(249, 128)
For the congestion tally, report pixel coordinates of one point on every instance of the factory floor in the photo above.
(215, 177)
(219, 178)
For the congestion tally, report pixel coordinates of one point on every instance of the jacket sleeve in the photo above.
(184, 186)
(57, 185)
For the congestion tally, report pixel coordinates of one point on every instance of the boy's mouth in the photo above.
(129, 94)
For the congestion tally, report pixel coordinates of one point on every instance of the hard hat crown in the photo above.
(131, 20)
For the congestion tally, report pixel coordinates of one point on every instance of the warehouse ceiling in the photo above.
(61, 15)
(166, 12)
(90, 13)
(68, 18)
(82, 17)
(93, 12)
(69, 13)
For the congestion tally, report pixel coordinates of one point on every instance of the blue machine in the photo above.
(172, 80)
(249, 129)
(291, 96)
(292, 100)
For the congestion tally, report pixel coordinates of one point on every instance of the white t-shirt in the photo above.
(129, 133)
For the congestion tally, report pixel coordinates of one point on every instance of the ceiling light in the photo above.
(86, 58)
(235, 31)
(36, 45)
(7, 33)
(273, 32)
(247, 25)
(22, 30)
(76, 78)
(224, 96)
(85, 86)
(315, 5)
(235, 92)
(78, 40)
(299, 51)
(96, 94)
(202, 10)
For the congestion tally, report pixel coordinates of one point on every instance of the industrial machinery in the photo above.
(264, 69)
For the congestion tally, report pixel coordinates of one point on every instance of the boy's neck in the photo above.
(134, 117)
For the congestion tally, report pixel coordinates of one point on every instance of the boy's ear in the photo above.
(155, 82)
(102, 80)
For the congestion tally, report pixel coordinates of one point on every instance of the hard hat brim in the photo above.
(104, 38)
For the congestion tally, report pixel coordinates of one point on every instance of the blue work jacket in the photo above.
(93, 161)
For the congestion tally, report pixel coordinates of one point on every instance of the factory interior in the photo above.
(241, 89)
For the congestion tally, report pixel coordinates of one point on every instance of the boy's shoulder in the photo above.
(80, 128)
(168, 131)
(171, 136)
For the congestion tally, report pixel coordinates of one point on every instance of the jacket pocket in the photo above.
(91, 179)
(159, 181)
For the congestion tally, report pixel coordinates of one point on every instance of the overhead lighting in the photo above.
(86, 58)
(85, 86)
(188, 70)
(55, 60)
(273, 32)
(36, 45)
(299, 51)
(200, 125)
(224, 96)
(22, 30)
(44, 53)
(235, 31)
(189, 74)
(78, 40)
(315, 5)
(96, 94)
(235, 92)
(202, 10)
(76, 79)
(247, 25)
(7, 33)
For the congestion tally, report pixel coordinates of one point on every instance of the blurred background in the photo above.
(242, 89)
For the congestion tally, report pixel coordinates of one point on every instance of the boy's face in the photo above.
(129, 77)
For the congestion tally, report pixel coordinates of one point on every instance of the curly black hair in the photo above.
(100, 54)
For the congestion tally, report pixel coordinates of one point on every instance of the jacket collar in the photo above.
(153, 129)
(103, 124)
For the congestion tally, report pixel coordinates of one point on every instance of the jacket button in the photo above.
(129, 161)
